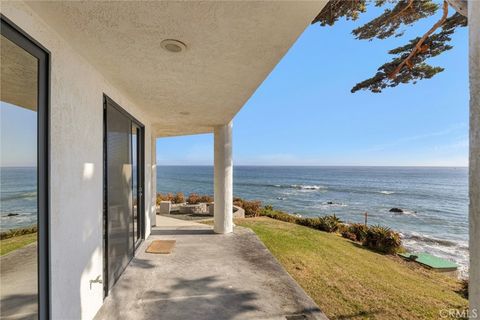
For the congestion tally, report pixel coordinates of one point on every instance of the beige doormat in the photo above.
(161, 246)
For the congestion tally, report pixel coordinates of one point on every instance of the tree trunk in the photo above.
(461, 6)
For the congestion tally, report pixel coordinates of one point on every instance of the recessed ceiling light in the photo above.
(173, 45)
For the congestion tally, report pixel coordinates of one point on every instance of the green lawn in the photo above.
(17, 242)
(351, 282)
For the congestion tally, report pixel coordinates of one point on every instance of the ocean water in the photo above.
(434, 200)
(18, 195)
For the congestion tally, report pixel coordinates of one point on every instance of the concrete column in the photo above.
(474, 166)
(153, 192)
(223, 179)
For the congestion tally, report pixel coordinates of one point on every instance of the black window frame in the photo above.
(15, 34)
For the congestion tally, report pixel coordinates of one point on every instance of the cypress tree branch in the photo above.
(418, 46)
(408, 65)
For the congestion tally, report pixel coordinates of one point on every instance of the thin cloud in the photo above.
(452, 129)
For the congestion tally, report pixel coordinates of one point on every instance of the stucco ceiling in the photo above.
(231, 48)
(18, 75)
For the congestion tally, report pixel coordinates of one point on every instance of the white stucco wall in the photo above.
(76, 161)
(474, 166)
(153, 186)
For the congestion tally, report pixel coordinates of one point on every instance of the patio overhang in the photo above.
(19, 76)
(231, 47)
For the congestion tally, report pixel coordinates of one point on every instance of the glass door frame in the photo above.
(19, 37)
(140, 157)
(107, 101)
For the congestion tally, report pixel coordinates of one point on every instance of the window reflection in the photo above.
(18, 182)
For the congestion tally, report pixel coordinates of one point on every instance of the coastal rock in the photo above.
(12, 214)
(329, 202)
(398, 210)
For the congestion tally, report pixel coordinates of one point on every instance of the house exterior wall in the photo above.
(153, 182)
(76, 169)
(474, 165)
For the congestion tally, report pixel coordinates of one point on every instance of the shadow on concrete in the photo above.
(142, 263)
(19, 306)
(172, 232)
(202, 298)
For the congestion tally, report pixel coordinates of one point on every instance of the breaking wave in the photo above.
(405, 213)
(300, 186)
(387, 192)
(428, 239)
(446, 249)
(20, 195)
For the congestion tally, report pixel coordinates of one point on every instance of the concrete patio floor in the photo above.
(18, 284)
(208, 276)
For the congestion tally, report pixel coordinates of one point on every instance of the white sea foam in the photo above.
(387, 192)
(329, 205)
(406, 213)
(300, 187)
(455, 251)
(429, 239)
(307, 187)
(335, 204)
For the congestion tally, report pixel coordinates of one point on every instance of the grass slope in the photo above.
(17, 242)
(351, 282)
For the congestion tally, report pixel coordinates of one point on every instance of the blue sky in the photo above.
(304, 113)
(18, 143)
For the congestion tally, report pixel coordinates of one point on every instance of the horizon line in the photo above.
(314, 165)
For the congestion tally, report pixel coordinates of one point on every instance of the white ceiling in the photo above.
(231, 48)
(18, 75)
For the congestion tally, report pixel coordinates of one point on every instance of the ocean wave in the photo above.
(300, 186)
(405, 213)
(305, 187)
(282, 186)
(429, 239)
(387, 192)
(446, 249)
(16, 196)
(334, 204)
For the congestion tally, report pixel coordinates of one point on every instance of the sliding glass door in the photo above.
(123, 189)
(23, 176)
(137, 191)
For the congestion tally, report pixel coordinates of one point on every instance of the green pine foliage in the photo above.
(409, 62)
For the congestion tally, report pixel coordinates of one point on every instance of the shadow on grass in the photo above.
(361, 246)
(463, 291)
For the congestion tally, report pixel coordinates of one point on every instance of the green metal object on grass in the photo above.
(430, 261)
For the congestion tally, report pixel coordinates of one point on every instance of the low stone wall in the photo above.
(166, 207)
(237, 211)
(200, 208)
